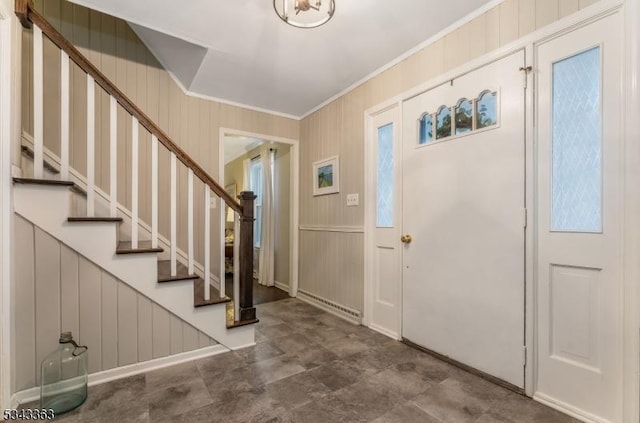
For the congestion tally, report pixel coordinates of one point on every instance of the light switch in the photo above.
(213, 202)
(353, 200)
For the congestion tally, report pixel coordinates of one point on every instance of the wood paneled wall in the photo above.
(338, 129)
(193, 123)
(59, 290)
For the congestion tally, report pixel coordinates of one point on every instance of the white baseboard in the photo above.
(33, 394)
(339, 310)
(384, 331)
(568, 409)
(281, 286)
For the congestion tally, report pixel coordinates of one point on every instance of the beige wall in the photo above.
(327, 267)
(234, 173)
(192, 123)
(59, 290)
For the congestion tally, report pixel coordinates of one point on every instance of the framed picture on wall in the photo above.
(326, 176)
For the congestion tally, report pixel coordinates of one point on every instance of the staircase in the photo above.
(96, 228)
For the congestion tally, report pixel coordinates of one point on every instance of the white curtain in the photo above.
(268, 230)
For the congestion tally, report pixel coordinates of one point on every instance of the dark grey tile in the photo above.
(451, 403)
(171, 376)
(406, 413)
(262, 351)
(405, 384)
(118, 398)
(275, 331)
(177, 400)
(369, 400)
(314, 356)
(297, 390)
(219, 363)
(276, 368)
(327, 409)
(345, 346)
(293, 343)
(336, 374)
(245, 406)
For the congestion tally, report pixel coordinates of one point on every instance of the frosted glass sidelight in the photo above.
(426, 129)
(577, 144)
(464, 117)
(443, 123)
(385, 177)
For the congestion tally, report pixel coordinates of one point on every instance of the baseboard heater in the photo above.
(331, 306)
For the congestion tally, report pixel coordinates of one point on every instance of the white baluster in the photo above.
(91, 145)
(134, 182)
(207, 244)
(38, 105)
(154, 191)
(174, 215)
(113, 156)
(190, 221)
(64, 116)
(236, 265)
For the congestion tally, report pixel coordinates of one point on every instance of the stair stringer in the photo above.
(48, 208)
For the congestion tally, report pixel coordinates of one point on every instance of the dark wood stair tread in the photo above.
(164, 272)
(94, 219)
(198, 295)
(124, 247)
(239, 324)
(28, 151)
(33, 181)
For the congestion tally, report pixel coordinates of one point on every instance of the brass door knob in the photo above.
(406, 239)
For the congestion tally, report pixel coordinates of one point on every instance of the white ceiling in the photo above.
(237, 146)
(241, 52)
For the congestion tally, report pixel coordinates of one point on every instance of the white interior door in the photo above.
(384, 251)
(463, 206)
(579, 221)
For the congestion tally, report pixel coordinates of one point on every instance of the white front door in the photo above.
(384, 249)
(463, 206)
(579, 221)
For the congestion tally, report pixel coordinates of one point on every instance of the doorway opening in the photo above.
(267, 166)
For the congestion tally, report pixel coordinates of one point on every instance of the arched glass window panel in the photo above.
(443, 122)
(464, 116)
(486, 110)
(425, 132)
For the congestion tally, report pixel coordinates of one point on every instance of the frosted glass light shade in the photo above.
(304, 13)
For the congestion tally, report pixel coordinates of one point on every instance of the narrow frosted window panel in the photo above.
(384, 217)
(486, 110)
(464, 117)
(443, 123)
(425, 129)
(577, 144)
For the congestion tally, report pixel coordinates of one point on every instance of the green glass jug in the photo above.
(64, 376)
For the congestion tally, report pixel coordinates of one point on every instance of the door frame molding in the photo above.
(369, 205)
(294, 195)
(631, 211)
(632, 206)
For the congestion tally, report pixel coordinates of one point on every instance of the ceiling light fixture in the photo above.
(304, 13)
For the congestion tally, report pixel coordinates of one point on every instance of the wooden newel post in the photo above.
(22, 12)
(247, 310)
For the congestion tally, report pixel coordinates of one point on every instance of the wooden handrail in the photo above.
(28, 15)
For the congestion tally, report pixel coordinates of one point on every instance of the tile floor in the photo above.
(309, 366)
